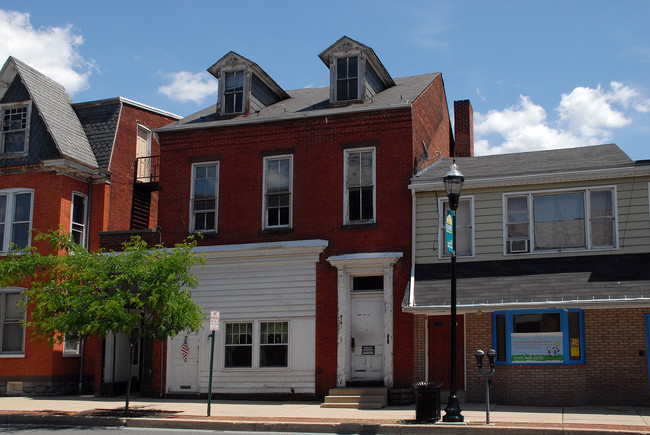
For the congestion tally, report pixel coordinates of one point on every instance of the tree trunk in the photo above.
(128, 381)
(81, 365)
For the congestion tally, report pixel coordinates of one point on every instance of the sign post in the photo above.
(214, 326)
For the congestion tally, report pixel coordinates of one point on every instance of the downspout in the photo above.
(413, 229)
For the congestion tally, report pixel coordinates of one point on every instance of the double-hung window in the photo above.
(259, 344)
(564, 220)
(347, 78)
(15, 218)
(278, 186)
(12, 315)
(233, 93)
(554, 336)
(205, 184)
(359, 186)
(78, 219)
(15, 119)
(464, 228)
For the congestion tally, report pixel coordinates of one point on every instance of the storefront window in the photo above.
(538, 336)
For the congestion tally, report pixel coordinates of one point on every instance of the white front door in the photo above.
(367, 336)
(184, 374)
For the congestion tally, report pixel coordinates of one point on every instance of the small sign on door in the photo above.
(367, 350)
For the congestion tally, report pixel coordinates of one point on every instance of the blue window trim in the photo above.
(564, 319)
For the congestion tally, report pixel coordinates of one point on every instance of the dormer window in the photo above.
(244, 88)
(14, 129)
(356, 73)
(347, 78)
(234, 92)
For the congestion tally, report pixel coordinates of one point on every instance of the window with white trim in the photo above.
(359, 173)
(464, 228)
(203, 204)
(78, 219)
(15, 119)
(259, 344)
(12, 316)
(561, 220)
(15, 218)
(278, 187)
(347, 78)
(553, 336)
(70, 347)
(233, 93)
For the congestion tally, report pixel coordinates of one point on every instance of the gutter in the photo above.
(541, 178)
(497, 306)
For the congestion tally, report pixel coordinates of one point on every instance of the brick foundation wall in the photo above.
(615, 371)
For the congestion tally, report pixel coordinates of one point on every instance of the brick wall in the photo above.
(615, 371)
(122, 166)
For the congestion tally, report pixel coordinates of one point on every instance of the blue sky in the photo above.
(540, 75)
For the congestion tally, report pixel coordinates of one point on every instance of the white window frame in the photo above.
(216, 197)
(3, 298)
(360, 77)
(442, 241)
(71, 350)
(346, 203)
(13, 106)
(245, 90)
(266, 194)
(84, 229)
(256, 345)
(9, 216)
(587, 213)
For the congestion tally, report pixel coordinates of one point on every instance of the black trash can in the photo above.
(427, 402)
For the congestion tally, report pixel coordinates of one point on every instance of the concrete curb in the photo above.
(207, 423)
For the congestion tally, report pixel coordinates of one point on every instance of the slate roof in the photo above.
(55, 107)
(548, 282)
(597, 157)
(99, 122)
(312, 102)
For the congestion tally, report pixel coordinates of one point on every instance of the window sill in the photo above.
(12, 355)
(359, 225)
(70, 355)
(14, 155)
(276, 231)
(211, 235)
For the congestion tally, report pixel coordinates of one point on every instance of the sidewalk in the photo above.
(306, 417)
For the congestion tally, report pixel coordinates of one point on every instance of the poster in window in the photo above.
(575, 347)
(538, 347)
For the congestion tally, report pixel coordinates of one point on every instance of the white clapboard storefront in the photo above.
(257, 287)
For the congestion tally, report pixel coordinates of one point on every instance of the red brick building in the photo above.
(303, 203)
(69, 166)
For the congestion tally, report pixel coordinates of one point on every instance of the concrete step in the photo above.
(356, 398)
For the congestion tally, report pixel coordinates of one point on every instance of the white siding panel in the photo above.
(256, 285)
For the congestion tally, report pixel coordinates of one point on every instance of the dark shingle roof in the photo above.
(530, 163)
(557, 281)
(55, 107)
(99, 121)
(311, 102)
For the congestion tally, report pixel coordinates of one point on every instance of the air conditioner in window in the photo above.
(517, 246)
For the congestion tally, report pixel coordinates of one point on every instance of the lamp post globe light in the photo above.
(453, 185)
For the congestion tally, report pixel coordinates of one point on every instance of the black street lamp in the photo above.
(453, 185)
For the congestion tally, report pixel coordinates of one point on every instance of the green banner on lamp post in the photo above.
(449, 230)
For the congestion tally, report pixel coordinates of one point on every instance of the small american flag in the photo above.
(185, 349)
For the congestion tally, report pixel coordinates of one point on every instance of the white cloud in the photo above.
(54, 51)
(185, 86)
(586, 116)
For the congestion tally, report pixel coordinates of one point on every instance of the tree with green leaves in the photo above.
(75, 294)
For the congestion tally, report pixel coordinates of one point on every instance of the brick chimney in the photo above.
(464, 128)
